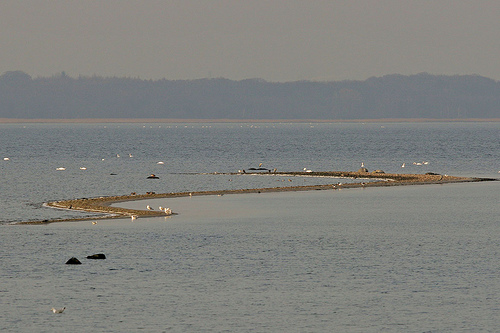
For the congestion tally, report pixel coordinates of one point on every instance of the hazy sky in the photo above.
(277, 40)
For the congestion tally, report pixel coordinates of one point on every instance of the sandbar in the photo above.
(103, 206)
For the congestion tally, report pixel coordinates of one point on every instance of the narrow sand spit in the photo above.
(102, 204)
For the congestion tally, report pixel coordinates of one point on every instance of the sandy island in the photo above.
(102, 204)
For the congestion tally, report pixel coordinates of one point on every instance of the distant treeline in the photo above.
(391, 96)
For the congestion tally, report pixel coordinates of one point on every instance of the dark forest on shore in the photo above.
(392, 96)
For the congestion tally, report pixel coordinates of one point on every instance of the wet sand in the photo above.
(372, 179)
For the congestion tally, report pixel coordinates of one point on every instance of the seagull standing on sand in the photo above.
(61, 310)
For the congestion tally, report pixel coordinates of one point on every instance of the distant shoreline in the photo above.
(102, 205)
(168, 120)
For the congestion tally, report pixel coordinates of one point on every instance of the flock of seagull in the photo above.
(84, 168)
(167, 210)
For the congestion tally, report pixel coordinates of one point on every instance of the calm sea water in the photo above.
(412, 259)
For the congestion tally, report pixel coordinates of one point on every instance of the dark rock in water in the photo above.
(363, 169)
(432, 174)
(73, 261)
(97, 256)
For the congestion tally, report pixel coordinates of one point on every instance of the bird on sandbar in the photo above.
(133, 217)
(149, 207)
(61, 310)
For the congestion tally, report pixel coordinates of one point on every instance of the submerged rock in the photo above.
(97, 256)
(73, 261)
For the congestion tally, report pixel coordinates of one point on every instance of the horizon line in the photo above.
(226, 120)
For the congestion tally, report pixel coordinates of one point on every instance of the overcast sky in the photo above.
(277, 40)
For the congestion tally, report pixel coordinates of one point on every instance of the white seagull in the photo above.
(160, 162)
(61, 310)
(149, 207)
(83, 168)
(60, 169)
(6, 159)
